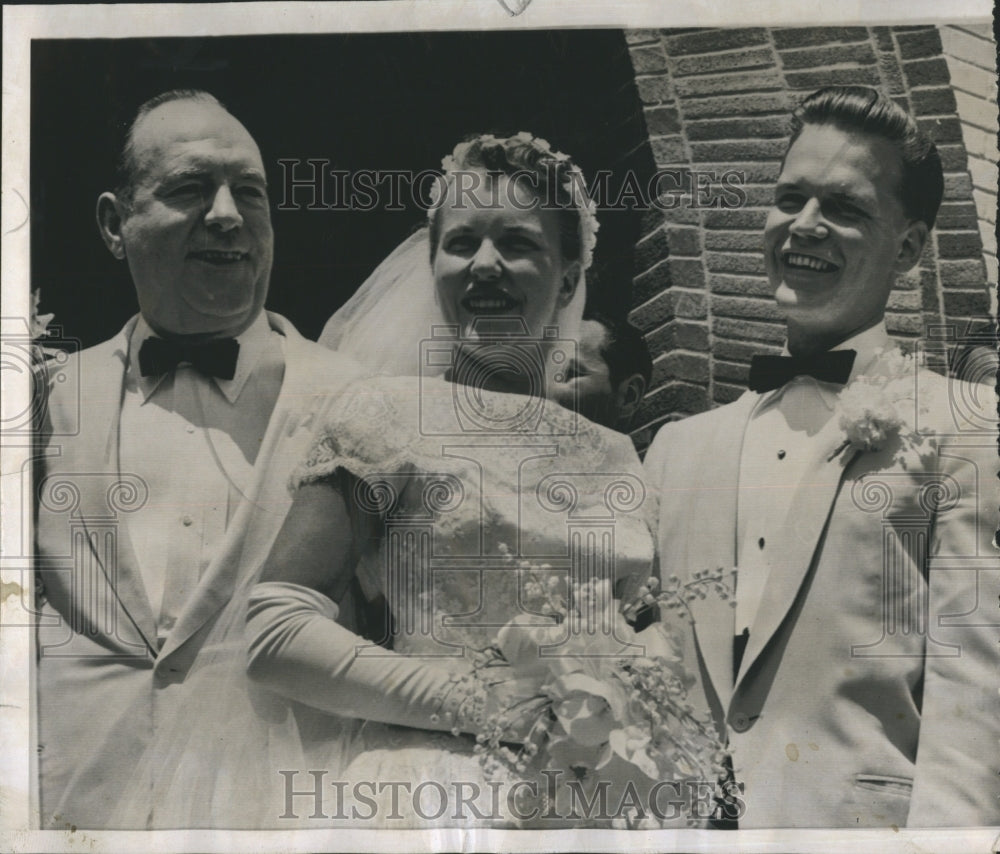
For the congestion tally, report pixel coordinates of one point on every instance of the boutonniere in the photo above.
(874, 410)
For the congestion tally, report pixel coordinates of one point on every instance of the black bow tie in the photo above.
(771, 372)
(214, 357)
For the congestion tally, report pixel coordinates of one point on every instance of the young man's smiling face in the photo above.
(837, 235)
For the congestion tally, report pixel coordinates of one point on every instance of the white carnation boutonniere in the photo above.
(879, 409)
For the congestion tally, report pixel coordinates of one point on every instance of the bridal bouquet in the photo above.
(609, 724)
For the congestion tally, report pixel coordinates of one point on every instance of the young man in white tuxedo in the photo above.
(174, 485)
(856, 678)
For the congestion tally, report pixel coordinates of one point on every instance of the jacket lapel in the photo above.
(802, 529)
(93, 453)
(713, 616)
(798, 538)
(266, 502)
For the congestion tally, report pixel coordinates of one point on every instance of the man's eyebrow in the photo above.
(533, 231)
(186, 172)
(859, 199)
(195, 171)
(836, 195)
(787, 185)
(253, 172)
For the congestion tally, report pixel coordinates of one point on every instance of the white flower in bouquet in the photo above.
(610, 709)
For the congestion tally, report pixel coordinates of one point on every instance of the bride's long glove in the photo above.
(298, 650)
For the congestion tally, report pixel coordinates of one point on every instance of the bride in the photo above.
(452, 486)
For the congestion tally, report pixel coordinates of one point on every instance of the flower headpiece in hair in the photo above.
(573, 182)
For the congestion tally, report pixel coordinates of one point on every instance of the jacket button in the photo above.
(740, 722)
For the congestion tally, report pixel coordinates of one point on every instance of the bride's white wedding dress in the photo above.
(490, 501)
(481, 495)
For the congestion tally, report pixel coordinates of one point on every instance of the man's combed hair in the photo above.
(125, 168)
(864, 110)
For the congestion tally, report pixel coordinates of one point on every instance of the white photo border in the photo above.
(22, 24)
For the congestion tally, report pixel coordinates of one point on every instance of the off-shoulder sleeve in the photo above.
(486, 470)
(394, 424)
(374, 429)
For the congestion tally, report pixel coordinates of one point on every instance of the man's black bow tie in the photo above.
(213, 357)
(771, 372)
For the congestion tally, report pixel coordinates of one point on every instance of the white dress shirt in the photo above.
(777, 454)
(194, 441)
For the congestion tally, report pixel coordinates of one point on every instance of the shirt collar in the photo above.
(868, 345)
(252, 341)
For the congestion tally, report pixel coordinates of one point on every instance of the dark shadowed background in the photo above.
(372, 101)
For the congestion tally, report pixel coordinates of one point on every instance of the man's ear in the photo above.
(912, 246)
(629, 396)
(109, 222)
(568, 286)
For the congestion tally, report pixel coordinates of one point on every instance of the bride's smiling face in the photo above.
(498, 257)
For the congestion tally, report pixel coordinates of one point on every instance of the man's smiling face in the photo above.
(197, 233)
(837, 235)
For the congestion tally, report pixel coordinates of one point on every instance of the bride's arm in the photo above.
(297, 648)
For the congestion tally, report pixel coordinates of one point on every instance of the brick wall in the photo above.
(718, 100)
(971, 56)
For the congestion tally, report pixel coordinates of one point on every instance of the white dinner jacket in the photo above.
(102, 680)
(867, 694)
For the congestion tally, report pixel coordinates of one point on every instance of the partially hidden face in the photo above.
(499, 258)
(587, 387)
(837, 234)
(197, 235)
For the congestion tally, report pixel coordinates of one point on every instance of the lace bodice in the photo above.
(489, 504)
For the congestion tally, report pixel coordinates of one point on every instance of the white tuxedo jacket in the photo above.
(868, 692)
(103, 683)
